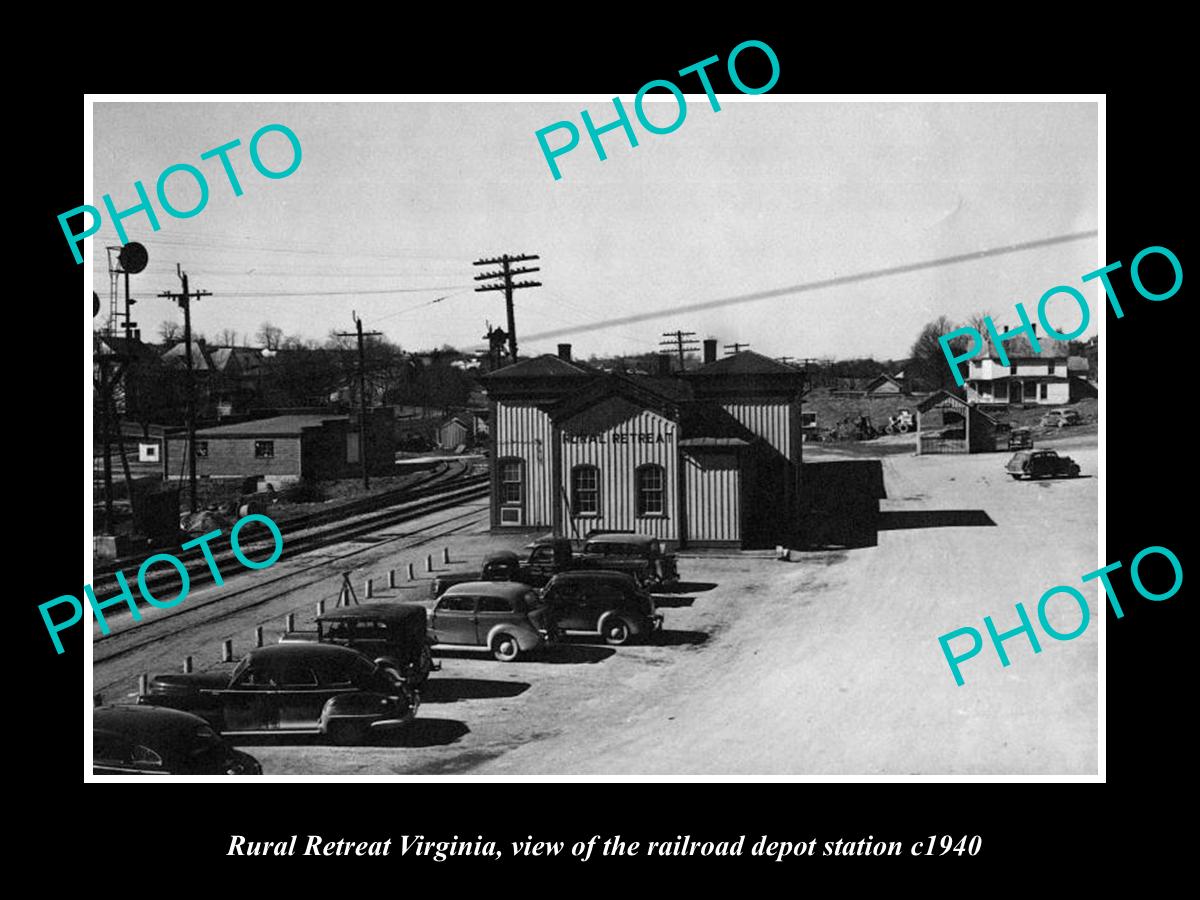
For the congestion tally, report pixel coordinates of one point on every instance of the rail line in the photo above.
(148, 633)
(301, 540)
(176, 628)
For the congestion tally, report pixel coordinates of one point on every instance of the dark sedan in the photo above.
(1041, 464)
(395, 635)
(611, 603)
(143, 740)
(300, 688)
(636, 554)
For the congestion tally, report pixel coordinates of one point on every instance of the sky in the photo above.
(393, 201)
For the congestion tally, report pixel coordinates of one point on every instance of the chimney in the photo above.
(664, 364)
(710, 351)
(564, 352)
(1006, 329)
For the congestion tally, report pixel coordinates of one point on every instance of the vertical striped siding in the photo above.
(618, 464)
(713, 497)
(524, 431)
(770, 421)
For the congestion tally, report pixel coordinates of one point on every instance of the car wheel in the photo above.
(1015, 476)
(424, 666)
(505, 648)
(617, 631)
(346, 734)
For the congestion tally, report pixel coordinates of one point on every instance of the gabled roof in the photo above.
(177, 356)
(111, 343)
(545, 366)
(636, 392)
(747, 362)
(882, 379)
(1018, 347)
(936, 397)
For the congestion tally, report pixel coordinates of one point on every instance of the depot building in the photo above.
(708, 458)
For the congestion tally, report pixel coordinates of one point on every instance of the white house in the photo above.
(1037, 378)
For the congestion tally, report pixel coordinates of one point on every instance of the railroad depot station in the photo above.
(705, 458)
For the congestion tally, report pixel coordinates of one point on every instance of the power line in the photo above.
(507, 285)
(681, 341)
(362, 393)
(351, 293)
(815, 285)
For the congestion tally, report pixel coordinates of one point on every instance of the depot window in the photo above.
(202, 449)
(512, 481)
(264, 449)
(585, 491)
(650, 483)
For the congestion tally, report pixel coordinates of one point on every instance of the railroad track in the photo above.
(305, 536)
(235, 600)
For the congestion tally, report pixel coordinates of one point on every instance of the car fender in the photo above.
(363, 705)
(527, 637)
(636, 625)
(389, 662)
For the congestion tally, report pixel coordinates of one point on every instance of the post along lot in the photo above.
(828, 664)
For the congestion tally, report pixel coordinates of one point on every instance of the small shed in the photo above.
(454, 432)
(949, 424)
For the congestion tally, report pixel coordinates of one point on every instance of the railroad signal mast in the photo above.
(128, 260)
(506, 284)
(682, 341)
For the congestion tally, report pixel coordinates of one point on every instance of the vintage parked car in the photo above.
(611, 603)
(1041, 464)
(395, 635)
(636, 554)
(143, 740)
(506, 617)
(505, 565)
(297, 688)
(1020, 439)
(1060, 418)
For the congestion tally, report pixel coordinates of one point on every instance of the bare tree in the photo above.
(270, 336)
(227, 337)
(170, 332)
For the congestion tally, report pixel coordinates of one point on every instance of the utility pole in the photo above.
(681, 341)
(184, 299)
(362, 394)
(507, 285)
(733, 348)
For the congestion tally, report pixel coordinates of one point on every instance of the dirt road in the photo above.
(827, 664)
(832, 665)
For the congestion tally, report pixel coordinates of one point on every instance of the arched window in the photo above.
(651, 483)
(585, 491)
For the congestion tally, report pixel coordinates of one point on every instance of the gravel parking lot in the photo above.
(826, 664)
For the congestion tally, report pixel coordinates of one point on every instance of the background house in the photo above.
(1040, 377)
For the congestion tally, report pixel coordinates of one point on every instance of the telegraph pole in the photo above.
(681, 341)
(184, 299)
(733, 348)
(362, 394)
(507, 285)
